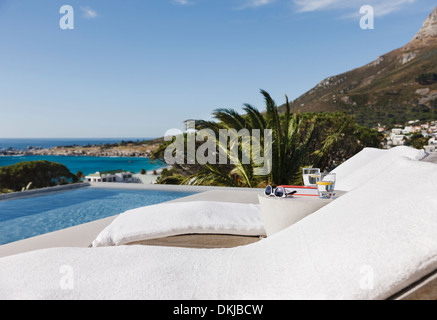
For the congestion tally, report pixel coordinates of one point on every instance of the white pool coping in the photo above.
(42, 191)
(84, 234)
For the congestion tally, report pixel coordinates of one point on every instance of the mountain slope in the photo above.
(399, 86)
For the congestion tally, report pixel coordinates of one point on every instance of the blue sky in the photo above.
(137, 68)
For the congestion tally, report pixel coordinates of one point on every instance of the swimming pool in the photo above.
(33, 216)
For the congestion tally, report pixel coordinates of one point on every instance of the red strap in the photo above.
(299, 187)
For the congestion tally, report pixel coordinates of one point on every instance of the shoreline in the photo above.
(67, 155)
(114, 152)
(137, 149)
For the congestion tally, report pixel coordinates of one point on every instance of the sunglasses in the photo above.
(279, 192)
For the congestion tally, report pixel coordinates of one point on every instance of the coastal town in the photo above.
(402, 135)
(129, 149)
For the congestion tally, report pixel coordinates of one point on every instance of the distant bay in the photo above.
(89, 164)
(23, 144)
(74, 163)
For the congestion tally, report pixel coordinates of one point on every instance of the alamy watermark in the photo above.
(242, 147)
(67, 20)
(367, 279)
(367, 21)
(67, 280)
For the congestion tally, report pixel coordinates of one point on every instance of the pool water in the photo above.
(33, 216)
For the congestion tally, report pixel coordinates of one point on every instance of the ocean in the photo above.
(85, 164)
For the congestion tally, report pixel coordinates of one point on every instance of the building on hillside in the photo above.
(432, 145)
(111, 176)
(398, 140)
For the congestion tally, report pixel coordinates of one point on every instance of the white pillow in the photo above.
(170, 219)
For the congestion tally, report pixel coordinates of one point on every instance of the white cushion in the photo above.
(170, 219)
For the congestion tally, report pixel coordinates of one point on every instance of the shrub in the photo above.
(41, 173)
(80, 175)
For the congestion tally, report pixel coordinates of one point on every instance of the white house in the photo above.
(398, 140)
(432, 145)
(425, 126)
(110, 176)
(407, 130)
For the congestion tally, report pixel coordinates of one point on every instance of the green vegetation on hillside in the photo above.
(427, 78)
(417, 141)
(34, 175)
(389, 109)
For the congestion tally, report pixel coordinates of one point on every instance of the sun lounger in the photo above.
(371, 243)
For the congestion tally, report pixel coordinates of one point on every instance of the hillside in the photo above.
(399, 86)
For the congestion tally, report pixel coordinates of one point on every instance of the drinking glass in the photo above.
(310, 176)
(326, 185)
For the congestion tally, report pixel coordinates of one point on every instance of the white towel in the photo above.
(170, 219)
(370, 162)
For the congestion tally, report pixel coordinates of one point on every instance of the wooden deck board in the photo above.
(424, 289)
(200, 241)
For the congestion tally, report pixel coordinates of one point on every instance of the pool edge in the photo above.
(42, 191)
(83, 235)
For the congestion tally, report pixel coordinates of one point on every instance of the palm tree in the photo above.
(291, 139)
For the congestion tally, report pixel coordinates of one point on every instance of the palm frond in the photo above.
(230, 118)
(211, 175)
(256, 118)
